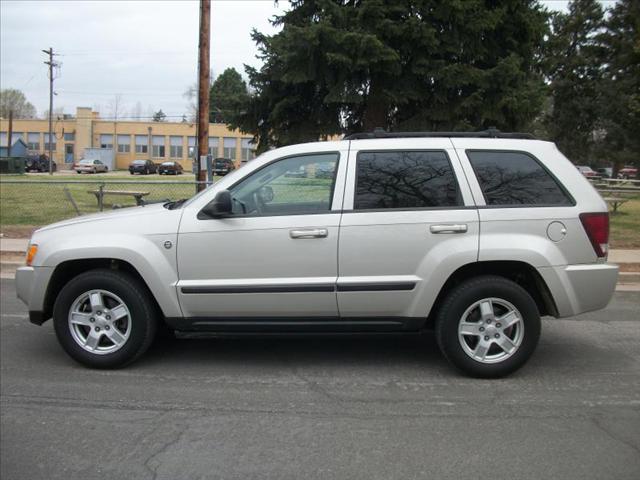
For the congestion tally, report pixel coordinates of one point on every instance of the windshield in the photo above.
(139, 162)
(168, 164)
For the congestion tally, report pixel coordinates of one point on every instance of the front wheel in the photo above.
(488, 326)
(104, 319)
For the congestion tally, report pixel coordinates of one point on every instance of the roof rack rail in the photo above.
(491, 132)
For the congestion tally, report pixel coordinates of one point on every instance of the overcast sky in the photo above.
(146, 51)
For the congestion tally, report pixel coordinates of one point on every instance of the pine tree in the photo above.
(159, 116)
(573, 62)
(621, 88)
(228, 96)
(351, 65)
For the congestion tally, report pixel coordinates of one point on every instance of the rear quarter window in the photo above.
(515, 178)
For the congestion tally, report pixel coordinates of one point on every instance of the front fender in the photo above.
(155, 263)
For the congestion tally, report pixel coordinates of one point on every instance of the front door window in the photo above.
(291, 186)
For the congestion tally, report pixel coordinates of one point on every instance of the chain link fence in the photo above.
(40, 202)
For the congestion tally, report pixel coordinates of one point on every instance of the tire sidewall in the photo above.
(465, 295)
(125, 287)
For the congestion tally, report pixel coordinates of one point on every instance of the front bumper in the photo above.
(31, 288)
(580, 288)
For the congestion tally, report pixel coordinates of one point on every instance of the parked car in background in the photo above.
(474, 235)
(324, 170)
(297, 173)
(144, 167)
(38, 163)
(606, 172)
(628, 172)
(90, 165)
(587, 171)
(222, 166)
(170, 168)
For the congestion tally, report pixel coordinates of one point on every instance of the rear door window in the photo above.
(405, 180)
(515, 178)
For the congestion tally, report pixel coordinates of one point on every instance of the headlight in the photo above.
(31, 253)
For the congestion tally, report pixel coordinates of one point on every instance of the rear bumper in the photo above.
(580, 288)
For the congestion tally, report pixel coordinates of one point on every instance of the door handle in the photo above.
(309, 233)
(453, 228)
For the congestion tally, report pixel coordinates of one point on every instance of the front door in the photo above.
(276, 255)
(409, 221)
(68, 153)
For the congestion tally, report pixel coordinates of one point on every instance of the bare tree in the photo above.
(14, 100)
(137, 111)
(191, 94)
(58, 113)
(116, 107)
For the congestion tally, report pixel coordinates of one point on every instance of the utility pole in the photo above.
(10, 133)
(203, 89)
(51, 64)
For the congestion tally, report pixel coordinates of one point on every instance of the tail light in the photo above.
(597, 227)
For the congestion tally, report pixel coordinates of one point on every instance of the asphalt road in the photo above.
(356, 408)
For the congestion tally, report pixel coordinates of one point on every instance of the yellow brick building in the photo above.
(130, 140)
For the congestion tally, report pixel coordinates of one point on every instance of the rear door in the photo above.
(409, 221)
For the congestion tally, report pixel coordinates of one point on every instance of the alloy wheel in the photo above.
(100, 322)
(491, 330)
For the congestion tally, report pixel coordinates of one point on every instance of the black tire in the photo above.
(133, 294)
(462, 297)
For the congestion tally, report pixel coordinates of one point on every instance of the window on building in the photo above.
(106, 140)
(515, 178)
(124, 143)
(4, 137)
(142, 144)
(46, 141)
(405, 180)
(213, 147)
(191, 145)
(157, 144)
(229, 146)
(69, 137)
(248, 153)
(175, 150)
(291, 186)
(33, 141)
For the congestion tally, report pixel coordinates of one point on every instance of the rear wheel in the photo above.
(488, 326)
(104, 319)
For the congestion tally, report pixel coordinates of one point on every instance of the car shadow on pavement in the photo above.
(321, 350)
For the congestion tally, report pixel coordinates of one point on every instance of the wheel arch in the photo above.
(519, 272)
(69, 269)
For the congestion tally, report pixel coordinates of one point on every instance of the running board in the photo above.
(283, 325)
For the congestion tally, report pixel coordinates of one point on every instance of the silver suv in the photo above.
(474, 235)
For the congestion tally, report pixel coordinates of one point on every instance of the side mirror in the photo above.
(219, 207)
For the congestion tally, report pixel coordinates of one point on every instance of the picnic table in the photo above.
(615, 202)
(101, 192)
